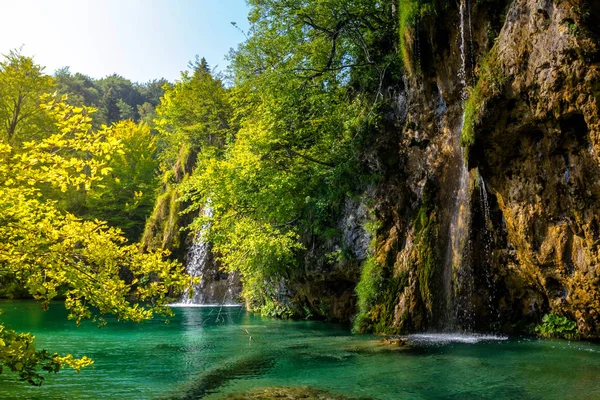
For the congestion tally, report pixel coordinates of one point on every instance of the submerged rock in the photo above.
(398, 341)
(209, 381)
(291, 393)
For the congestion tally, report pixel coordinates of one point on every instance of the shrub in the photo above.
(556, 326)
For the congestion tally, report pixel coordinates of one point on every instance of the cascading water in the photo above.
(487, 246)
(462, 72)
(215, 287)
(485, 204)
(458, 282)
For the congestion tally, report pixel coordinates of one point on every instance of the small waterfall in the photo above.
(459, 282)
(485, 204)
(215, 287)
(487, 246)
(462, 72)
(471, 50)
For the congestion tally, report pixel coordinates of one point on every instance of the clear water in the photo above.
(204, 353)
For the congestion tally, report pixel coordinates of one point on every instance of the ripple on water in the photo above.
(445, 338)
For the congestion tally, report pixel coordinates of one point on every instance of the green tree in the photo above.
(307, 95)
(195, 113)
(22, 82)
(81, 89)
(125, 197)
(126, 111)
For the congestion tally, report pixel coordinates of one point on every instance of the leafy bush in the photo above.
(274, 309)
(556, 326)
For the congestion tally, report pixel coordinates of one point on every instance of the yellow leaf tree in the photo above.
(51, 251)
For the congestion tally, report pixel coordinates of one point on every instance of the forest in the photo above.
(397, 167)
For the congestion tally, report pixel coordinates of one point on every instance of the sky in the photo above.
(138, 39)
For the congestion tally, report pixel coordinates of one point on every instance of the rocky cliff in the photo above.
(511, 89)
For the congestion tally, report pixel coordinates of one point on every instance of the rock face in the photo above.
(533, 167)
(537, 146)
(325, 289)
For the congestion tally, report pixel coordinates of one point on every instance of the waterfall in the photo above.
(215, 287)
(485, 205)
(458, 282)
(462, 72)
(458, 274)
(487, 245)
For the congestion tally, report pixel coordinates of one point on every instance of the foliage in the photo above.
(22, 83)
(115, 97)
(554, 325)
(306, 84)
(194, 113)
(490, 83)
(18, 353)
(49, 250)
(126, 196)
(274, 309)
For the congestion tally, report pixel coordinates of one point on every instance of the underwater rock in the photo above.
(291, 393)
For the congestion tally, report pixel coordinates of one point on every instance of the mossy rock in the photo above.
(290, 393)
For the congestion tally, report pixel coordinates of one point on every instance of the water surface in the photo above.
(210, 352)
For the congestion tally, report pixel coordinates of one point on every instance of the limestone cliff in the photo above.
(537, 144)
(517, 84)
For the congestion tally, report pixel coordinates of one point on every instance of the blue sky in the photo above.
(138, 39)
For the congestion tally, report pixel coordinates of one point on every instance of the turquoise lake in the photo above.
(212, 352)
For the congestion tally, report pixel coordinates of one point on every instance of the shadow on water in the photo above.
(207, 382)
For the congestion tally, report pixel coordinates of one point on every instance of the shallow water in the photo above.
(210, 352)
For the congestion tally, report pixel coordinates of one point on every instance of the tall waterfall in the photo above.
(458, 283)
(215, 287)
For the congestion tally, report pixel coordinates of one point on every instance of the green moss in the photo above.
(367, 291)
(162, 227)
(409, 12)
(377, 293)
(381, 284)
(490, 83)
(426, 261)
